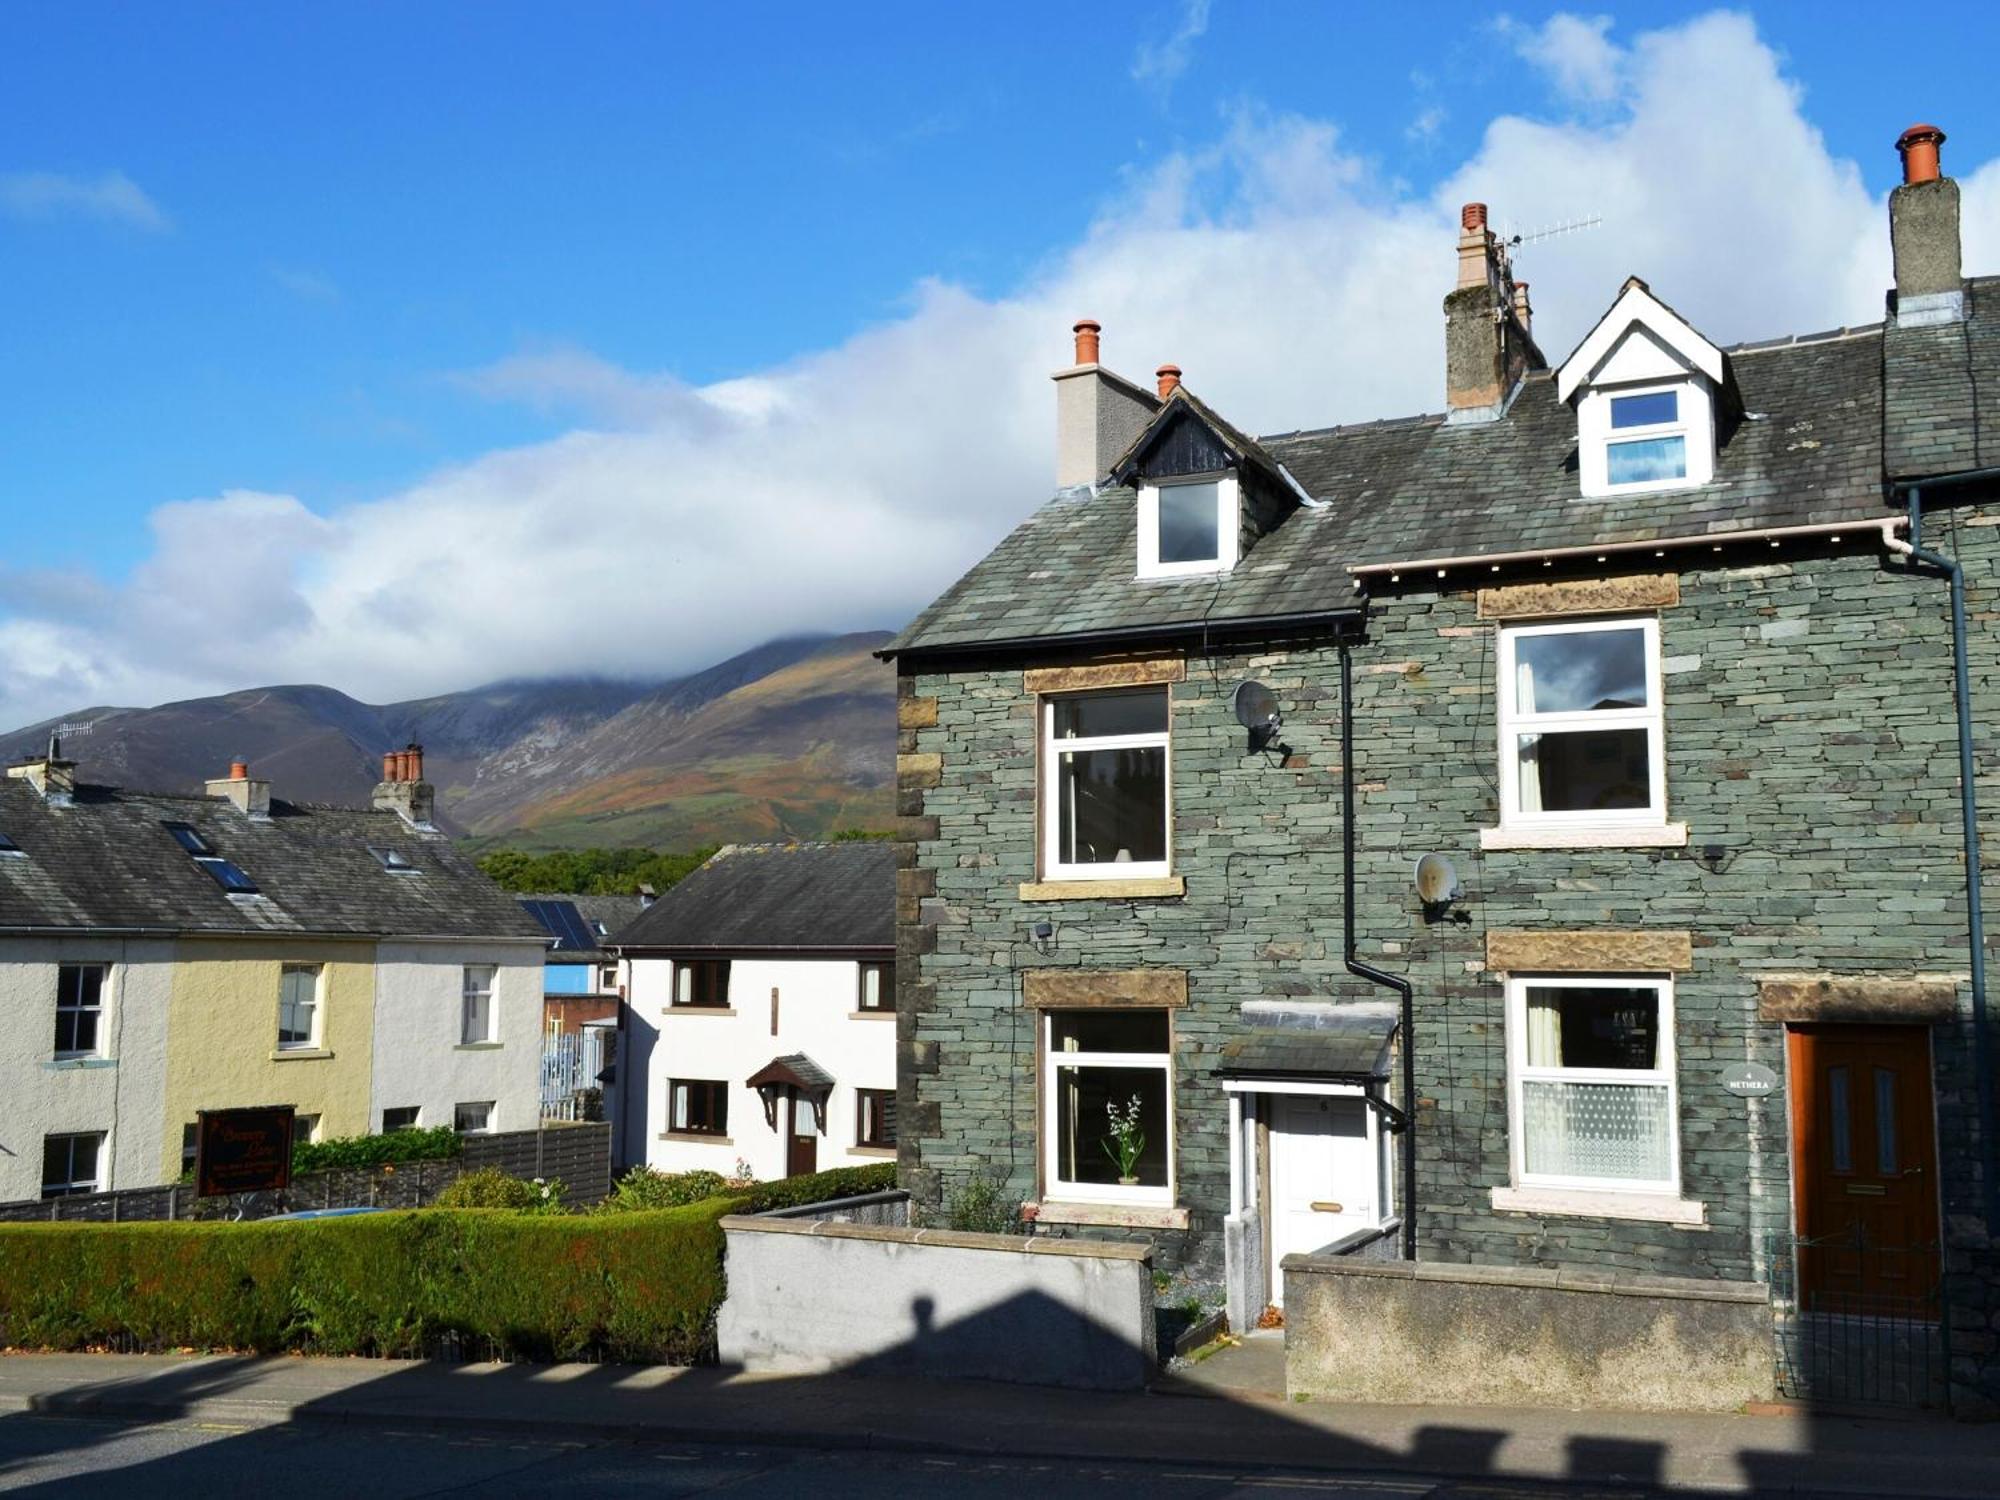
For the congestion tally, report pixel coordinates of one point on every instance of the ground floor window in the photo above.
(402, 1118)
(1107, 1117)
(1593, 1100)
(70, 1164)
(473, 1119)
(700, 1106)
(305, 1129)
(875, 1117)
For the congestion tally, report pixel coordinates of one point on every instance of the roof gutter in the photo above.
(1715, 541)
(1128, 634)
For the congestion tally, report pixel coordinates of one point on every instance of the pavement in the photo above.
(1008, 1426)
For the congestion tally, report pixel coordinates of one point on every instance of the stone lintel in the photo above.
(1107, 674)
(1591, 950)
(1580, 596)
(1082, 989)
(1856, 997)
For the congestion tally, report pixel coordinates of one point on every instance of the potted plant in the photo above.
(1125, 1141)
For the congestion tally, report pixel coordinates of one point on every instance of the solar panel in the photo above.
(561, 921)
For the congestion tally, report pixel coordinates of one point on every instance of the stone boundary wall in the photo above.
(814, 1296)
(579, 1154)
(1402, 1332)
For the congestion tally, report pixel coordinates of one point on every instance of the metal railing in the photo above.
(1859, 1323)
(571, 1063)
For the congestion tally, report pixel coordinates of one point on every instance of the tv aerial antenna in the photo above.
(68, 729)
(1514, 239)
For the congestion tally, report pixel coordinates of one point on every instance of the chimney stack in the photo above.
(50, 775)
(249, 796)
(1098, 413)
(1923, 235)
(403, 790)
(1487, 346)
(1169, 377)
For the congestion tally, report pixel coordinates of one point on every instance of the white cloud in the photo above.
(1576, 52)
(51, 195)
(1159, 65)
(846, 488)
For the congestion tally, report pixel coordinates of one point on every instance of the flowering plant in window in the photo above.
(1126, 1140)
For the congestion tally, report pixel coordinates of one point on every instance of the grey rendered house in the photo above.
(1642, 644)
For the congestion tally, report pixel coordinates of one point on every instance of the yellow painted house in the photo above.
(162, 955)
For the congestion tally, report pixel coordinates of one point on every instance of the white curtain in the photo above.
(1527, 748)
(1545, 1035)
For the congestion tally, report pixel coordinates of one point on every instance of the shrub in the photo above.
(441, 1143)
(489, 1187)
(980, 1206)
(645, 1188)
(817, 1187)
(641, 1286)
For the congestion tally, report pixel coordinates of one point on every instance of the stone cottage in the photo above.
(1652, 649)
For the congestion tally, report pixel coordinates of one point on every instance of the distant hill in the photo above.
(793, 738)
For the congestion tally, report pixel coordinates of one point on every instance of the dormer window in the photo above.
(1647, 444)
(1188, 525)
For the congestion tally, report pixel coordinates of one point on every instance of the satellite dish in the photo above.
(1437, 881)
(1257, 711)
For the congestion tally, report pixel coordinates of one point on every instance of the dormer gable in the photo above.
(1652, 398)
(1204, 491)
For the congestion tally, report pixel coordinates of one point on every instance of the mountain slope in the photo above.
(793, 737)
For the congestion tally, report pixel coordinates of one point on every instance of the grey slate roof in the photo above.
(1359, 1050)
(1828, 417)
(830, 897)
(106, 864)
(794, 1069)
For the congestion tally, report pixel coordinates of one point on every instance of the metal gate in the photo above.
(1860, 1347)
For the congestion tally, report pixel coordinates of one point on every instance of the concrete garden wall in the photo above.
(1392, 1332)
(811, 1296)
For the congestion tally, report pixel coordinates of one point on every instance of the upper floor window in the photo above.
(1105, 779)
(476, 1004)
(1580, 724)
(878, 987)
(1187, 526)
(1592, 1102)
(702, 983)
(298, 1007)
(79, 1008)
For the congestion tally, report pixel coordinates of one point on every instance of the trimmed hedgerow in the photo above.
(820, 1187)
(642, 1286)
(440, 1143)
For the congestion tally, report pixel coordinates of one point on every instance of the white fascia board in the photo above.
(1636, 305)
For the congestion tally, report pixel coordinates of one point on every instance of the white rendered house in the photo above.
(761, 1019)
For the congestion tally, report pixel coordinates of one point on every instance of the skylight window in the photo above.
(188, 839)
(229, 877)
(394, 861)
(8, 846)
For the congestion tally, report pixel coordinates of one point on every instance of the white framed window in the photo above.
(79, 1009)
(476, 1004)
(1656, 436)
(1105, 795)
(1108, 1074)
(305, 1129)
(72, 1164)
(299, 1007)
(1592, 1102)
(404, 1117)
(1581, 729)
(1188, 525)
(473, 1119)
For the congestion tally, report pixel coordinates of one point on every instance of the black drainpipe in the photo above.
(1368, 971)
(1968, 803)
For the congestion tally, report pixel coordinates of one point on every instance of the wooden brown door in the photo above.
(802, 1145)
(1864, 1166)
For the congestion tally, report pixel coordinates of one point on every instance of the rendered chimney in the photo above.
(403, 790)
(1098, 413)
(1169, 377)
(1924, 235)
(51, 776)
(249, 795)
(1487, 346)
(1523, 313)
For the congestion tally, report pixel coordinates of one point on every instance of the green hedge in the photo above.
(440, 1143)
(641, 1287)
(840, 1182)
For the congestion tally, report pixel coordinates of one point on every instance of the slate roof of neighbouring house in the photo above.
(108, 863)
(579, 926)
(835, 897)
(1829, 416)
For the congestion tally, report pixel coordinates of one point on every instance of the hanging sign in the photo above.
(1749, 1080)
(242, 1150)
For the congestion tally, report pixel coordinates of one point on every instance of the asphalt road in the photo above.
(65, 1456)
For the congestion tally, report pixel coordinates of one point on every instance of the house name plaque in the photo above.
(1749, 1080)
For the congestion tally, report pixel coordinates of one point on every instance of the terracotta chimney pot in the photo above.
(1919, 146)
(1086, 341)
(1170, 378)
(413, 762)
(388, 765)
(239, 770)
(1472, 217)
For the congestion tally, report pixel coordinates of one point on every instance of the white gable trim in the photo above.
(1636, 307)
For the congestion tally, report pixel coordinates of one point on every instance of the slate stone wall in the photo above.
(1810, 735)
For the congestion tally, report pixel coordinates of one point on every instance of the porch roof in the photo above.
(1356, 1051)
(795, 1070)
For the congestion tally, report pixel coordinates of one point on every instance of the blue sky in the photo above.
(288, 288)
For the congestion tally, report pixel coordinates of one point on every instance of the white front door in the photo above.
(1322, 1174)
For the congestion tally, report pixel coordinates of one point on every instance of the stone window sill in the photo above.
(300, 1054)
(1103, 890)
(1636, 836)
(478, 1046)
(79, 1063)
(1580, 1203)
(1107, 1215)
(695, 1138)
(881, 1153)
(700, 1010)
(878, 1014)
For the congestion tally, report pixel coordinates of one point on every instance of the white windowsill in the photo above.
(695, 1138)
(883, 1153)
(300, 1054)
(699, 1010)
(1582, 1203)
(478, 1046)
(73, 1061)
(880, 1013)
(1587, 836)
